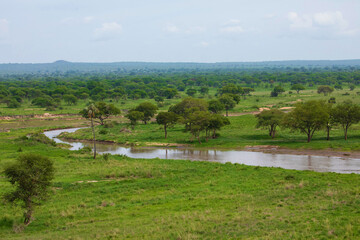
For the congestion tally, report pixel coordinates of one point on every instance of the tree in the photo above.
(297, 87)
(166, 119)
(103, 111)
(215, 106)
(352, 87)
(90, 112)
(191, 92)
(246, 91)
(330, 121)
(307, 117)
(198, 122)
(148, 109)
(134, 116)
(70, 99)
(228, 102)
(216, 122)
(204, 90)
(188, 106)
(31, 175)
(276, 91)
(346, 114)
(270, 119)
(325, 89)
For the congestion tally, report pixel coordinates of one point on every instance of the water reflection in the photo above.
(299, 162)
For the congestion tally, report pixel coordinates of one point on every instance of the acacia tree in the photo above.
(199, 122)
(216, 122)
(148, 109)
(31, 175)
(228, 102)
(134, 116)
(215, 106)
(105, 111)
(307, 117)
(90, 112)
(346, 114)
(297, 87)
(270, 119)
(167, 119)
(325, 89)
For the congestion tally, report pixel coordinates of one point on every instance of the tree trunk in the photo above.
(309, 136)
(227, 113)
(165, 131)
(94, 140)
(28, 213)
(328, 133)
(345, 132)
(199, 139)
(273, 133)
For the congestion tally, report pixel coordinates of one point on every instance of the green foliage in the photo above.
(276, 91)
(270, 119)
(228, 102)
(191, 92)
(70, 99)
(134, 116)
(167, 119)
(100, 111)
(346, 114)
(148, 109)
(215, 106)
(307, 117)
(188, 106)
(31, 175)
(325, 89)
(297, 87)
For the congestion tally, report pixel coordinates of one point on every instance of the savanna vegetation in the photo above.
(66, 194)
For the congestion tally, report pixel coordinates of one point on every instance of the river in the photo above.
(287, 161)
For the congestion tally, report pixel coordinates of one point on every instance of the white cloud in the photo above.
(233, 26)
(323, 23)
(107, 31)
(204, 44)
(4, 28)
(171, 28)
(299, 22)
(88, 19)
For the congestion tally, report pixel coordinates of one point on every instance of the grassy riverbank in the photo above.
(241, 133)
(126, 198)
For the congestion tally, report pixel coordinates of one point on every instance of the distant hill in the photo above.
(65, 66)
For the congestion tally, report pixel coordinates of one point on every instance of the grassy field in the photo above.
(260, 98)
(125, 198)
(240, 133)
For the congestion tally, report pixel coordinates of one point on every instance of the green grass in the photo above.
(240, 133)
(168, 199)
(260, 98)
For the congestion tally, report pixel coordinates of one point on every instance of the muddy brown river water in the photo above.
(287, 161)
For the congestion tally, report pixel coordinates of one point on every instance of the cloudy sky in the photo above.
(178, 30)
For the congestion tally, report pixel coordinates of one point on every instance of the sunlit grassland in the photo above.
(240, 133)
(125, 198)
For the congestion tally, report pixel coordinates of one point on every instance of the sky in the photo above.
(39, 31)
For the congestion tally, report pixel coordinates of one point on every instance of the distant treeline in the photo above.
(45, 89)
(130, 68)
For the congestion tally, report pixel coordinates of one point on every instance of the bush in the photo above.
(106, 156)
(103, 131)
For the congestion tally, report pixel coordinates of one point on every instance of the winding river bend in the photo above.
(287, 161)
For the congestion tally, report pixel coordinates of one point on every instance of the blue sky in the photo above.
(178, 30)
